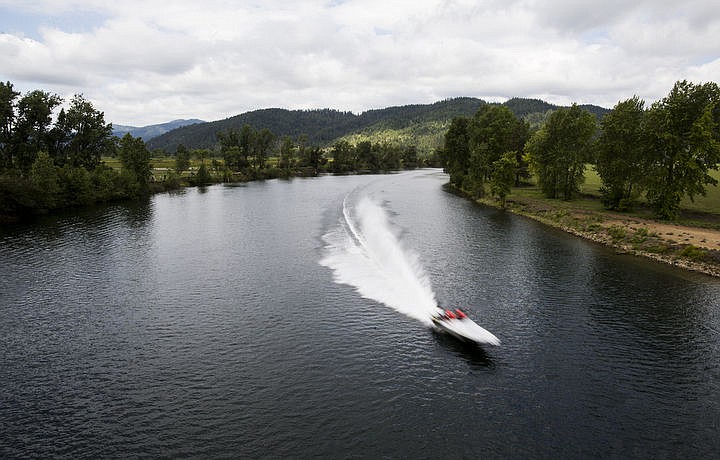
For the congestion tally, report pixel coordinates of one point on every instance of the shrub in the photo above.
(641, 234)
(617, 232)
(693, 252)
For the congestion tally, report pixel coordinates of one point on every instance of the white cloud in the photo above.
(152, 61)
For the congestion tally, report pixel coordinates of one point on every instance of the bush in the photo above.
(693, 252)
(17, 195)
(617, 232)
(76, 186)
(641, 234)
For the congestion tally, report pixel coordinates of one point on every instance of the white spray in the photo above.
(364, 251)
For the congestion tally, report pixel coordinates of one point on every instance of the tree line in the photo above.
(49, 164)
(52, 158)
(661, 153)
(246, 151)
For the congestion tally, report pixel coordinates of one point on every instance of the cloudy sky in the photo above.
(150, 61)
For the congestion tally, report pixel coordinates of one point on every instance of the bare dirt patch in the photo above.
(675, 234)
(689, 247)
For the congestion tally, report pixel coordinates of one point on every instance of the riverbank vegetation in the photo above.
(51, 159)
(49, 162)
(646, 168)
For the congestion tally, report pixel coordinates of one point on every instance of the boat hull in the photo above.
(466, 330)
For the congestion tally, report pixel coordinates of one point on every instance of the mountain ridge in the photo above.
(422, 124)
(151, 131)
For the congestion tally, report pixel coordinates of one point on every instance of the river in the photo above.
(290, 319)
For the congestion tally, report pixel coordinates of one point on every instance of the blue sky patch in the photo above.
(28, 24)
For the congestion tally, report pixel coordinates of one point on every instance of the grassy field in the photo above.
(703, 212)
(709, 203)
(162, 165)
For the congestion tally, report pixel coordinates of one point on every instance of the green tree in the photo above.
(456, 152)
(560, 149)
(477, 172)
(201, 154)
(495, 130)
(234, 159)
(343, 154)
(246, 139)
(135, 159)
(235, 147)
(503, 175)
(33, 124)
(262, 144)
(44, 177)
(313, 157)
(410, 157)
(287, 147)
(7, 121)
(621, 154)
(76, 186)
(683, 138)
(182, 159)
(87, 137)
(203, 176)
(388, 157)
(366, 157)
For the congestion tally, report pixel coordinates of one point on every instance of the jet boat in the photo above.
(457, 324)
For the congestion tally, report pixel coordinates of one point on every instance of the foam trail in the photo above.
(364, 251)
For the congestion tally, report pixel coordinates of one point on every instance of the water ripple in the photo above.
(201, 325)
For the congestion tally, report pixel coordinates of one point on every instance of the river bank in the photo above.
(695, 248)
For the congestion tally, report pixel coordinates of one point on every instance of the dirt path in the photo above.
(674, 234)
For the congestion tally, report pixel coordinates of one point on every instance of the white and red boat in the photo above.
(457, 324)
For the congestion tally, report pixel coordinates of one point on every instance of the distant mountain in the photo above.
(322, 127)
(151, 131)
(422, 125)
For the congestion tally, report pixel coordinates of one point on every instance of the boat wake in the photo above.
(365, 251)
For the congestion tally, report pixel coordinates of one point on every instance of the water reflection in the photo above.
(474, 354)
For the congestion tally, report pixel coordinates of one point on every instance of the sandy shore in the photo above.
(690, 248)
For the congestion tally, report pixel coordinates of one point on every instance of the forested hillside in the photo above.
(321, 126)
(422, 125)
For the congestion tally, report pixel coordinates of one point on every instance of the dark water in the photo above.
(202, 324)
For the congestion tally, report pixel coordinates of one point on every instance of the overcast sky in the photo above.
(150, 61)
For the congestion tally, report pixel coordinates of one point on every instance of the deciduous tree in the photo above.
(33, 124)
(503, 175)
(621, 154)
(683, 137)
(7, 121)
(182, 158)
(456, 153)
(560, 150)
(87, 136)
(135, 159)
